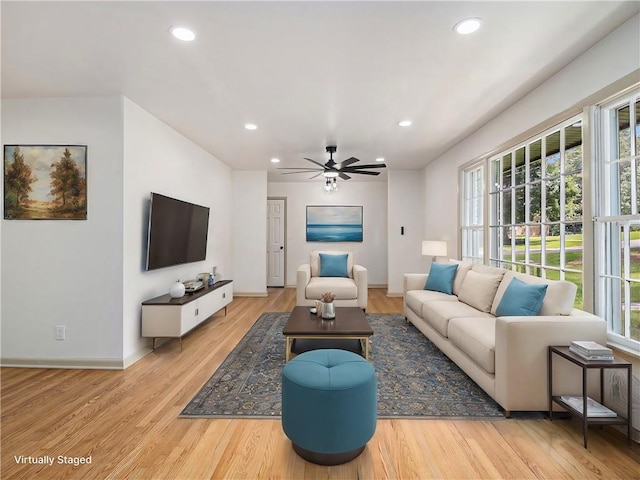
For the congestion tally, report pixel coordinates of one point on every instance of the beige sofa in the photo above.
(505, 356)
(350, 291)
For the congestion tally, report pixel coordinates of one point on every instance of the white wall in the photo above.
(249, 230)
(159, 159)
(406, 201)
(66, 272)
(613, 58)
(89, 275)
(371, 253)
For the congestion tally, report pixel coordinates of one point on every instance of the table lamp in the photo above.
(434, 248)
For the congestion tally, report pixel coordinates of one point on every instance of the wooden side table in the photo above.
(567, 354)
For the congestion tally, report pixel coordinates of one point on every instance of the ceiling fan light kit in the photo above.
(331, 185)
(332, 170)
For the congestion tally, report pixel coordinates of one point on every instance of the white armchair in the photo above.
(350, 291)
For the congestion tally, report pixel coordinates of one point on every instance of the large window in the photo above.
(535, 201)
(618, 222)
(472, 225)
(533, 223)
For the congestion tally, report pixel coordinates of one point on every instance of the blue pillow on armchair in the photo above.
(441, 277)
(333, 265)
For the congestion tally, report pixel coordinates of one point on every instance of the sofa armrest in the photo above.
(303, 275)
(414, 281)
(362, 284)
(521, 352)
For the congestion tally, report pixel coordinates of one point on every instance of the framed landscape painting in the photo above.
(328, 223)
(45, 182)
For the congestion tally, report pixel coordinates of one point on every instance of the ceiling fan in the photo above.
(331, 169)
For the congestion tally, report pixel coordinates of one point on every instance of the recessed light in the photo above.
(183, 33)
(404, 123)
(467, 26)
(275, 160)
(250, 126)
(379, 159)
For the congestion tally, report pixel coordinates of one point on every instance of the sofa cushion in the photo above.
(520, 299)
(557, 301)
(415, 298)
(314, 261)
(481, 268)
(438, 313)
(463, 268)
(476, 337)
(441, 277)
(479, 289)
(342, 288)
(333, 265)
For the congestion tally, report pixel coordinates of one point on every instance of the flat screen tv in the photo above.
(177, 232)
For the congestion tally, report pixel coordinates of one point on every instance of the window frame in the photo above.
(472, 230)
(612, 227)
(515, 188)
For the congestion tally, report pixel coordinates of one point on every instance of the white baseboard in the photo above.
(76, 363)
(250, 294)
(134, 357)
(71, 363)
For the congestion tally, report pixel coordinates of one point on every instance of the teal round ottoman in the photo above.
(329, 405)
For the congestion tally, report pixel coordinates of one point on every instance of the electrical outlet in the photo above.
(60, 332)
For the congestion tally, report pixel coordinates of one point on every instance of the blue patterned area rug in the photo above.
(415, 379)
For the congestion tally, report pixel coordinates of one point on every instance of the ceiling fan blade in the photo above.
(347, 162)
(344, 176)
(302, 169)
(317, 163)
(365, 173)
(373, 165)
(316, 175)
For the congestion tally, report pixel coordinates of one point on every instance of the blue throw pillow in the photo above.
(521, 299)
(441, 277)
(332, 265)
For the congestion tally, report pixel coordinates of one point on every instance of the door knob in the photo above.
(281, 248)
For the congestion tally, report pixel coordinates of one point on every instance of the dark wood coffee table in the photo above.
(350, 324)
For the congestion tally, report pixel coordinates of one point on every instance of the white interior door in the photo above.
(275, 242)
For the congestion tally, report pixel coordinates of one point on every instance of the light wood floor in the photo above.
(127, 421)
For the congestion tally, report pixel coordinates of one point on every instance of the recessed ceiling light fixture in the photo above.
(467, 26)
(404, 123)
(275, 160)
(250, 126)
(379, 159)
(183, 33)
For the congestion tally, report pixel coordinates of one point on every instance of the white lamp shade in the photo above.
(435, 248)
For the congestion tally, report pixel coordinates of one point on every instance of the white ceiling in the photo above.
(307, 73)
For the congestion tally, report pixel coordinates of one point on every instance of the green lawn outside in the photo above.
(574, 261)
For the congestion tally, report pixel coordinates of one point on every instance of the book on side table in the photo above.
(594, 409)
(591, 350)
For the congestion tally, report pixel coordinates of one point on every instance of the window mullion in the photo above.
(527, 208)
(543, 206)
(626, 277)
(563, 201)
(513, 208)
(634, 151)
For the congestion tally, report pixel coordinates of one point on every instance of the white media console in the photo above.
(164, 316)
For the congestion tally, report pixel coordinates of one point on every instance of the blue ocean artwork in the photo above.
(334, 224)
(334, 233)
